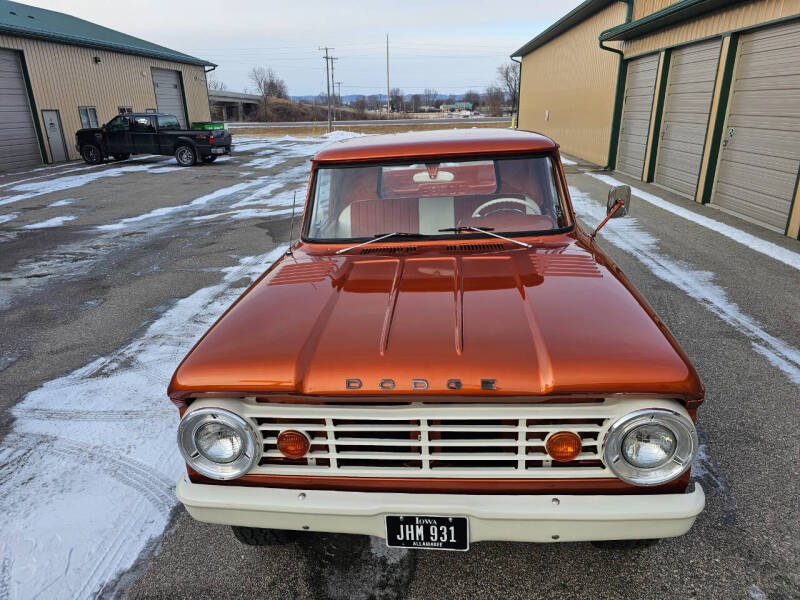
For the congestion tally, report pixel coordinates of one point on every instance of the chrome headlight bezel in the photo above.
(194, 420)
(685, 448)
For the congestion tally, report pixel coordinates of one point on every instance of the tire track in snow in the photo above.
(628, 236)
(82, 498)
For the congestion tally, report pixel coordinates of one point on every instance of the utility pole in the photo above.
(328, 83)
(339, 85)
(333, 87)
(388, 97)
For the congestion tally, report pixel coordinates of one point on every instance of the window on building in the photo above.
(125, 110)
(88, 116)
(143, 125)
(121, 123)
(168, 122)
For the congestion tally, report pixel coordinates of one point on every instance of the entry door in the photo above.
(55, 135)
(690, 88)
(640, 85)
(169, 93)
(760, 151)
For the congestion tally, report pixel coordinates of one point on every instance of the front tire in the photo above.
(209, 159)
(186, 156)
(91, 154)
(253, 536)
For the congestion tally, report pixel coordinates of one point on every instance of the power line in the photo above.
(328, 66)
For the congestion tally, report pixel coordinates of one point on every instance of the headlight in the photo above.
(650, 447)
(217, 443)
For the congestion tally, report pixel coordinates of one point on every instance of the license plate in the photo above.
(427, 533)
(217, 150)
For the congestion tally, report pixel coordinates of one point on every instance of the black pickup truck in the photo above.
(151, 133)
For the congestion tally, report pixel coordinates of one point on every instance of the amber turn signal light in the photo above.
(293, 444)
(563, 446)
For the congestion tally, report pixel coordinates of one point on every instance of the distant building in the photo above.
(456, 106)
(59, 73)
(699, 96)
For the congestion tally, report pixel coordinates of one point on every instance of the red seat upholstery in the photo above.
(368, 217)
(510, 221)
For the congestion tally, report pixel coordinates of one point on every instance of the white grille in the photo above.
(434, 440)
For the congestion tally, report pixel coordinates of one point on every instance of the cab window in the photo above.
(168, 122)
(143, 125)
(121, 123)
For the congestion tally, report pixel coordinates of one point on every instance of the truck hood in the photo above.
(552, 320)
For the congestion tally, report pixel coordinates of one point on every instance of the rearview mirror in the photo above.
(619, 201)
(620, 193)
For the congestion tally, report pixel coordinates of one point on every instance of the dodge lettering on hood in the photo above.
(443, 356)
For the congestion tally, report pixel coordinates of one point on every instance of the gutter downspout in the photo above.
(208, 97)
(519, 90)
(619, 97)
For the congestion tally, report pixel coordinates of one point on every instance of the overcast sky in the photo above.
(450, 46)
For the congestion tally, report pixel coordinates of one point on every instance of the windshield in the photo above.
(504, 195)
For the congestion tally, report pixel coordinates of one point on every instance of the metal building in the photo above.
(59, 73)
(701, 97)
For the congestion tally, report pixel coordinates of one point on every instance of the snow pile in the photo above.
(91, 462)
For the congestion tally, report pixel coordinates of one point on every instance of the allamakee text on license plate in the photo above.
(427, 533)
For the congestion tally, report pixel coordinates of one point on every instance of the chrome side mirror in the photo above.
(618, 204)
(621, 193)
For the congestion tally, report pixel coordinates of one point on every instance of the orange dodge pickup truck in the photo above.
(443, 357)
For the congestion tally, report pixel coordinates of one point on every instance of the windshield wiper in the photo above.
(381, 236)
(487, 231)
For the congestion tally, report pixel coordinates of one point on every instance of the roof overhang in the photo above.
(671, 15)
(580, 13)
(62, 38)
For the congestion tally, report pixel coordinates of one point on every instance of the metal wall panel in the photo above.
(760, 154)
(640, 87)
(569, 86)
(65, 77)
(739, 15)
(642, 8)
(20, 145)
(690, 89)
(169, 93)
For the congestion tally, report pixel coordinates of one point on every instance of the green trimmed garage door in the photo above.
(20, 147)
(169, 93)
(690, 89)
(760, 151)
(640, 84)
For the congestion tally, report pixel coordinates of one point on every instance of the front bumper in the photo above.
(529, 518)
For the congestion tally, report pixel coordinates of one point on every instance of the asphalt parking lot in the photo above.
(108, 274)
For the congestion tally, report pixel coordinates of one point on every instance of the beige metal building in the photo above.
(701, 97)
(59, 73)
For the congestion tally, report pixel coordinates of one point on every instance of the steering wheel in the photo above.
(527, 203)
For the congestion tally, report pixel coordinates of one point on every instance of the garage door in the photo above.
(760, 151)
(690, 88)
(169, 93)
(640, 85)
(20, 145)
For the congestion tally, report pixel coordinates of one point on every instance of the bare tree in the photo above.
(396, 95)
(215, 84)
(508, 76)
(416, 102)
(429, 96)
(495, 98)
(267, 83)
(374, 102)
(472, 97)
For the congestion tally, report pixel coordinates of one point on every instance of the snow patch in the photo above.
(8, 217)
(567, 161)
(737, 235)
(627, 235)
(83, 491)
(54, 222)
(63, 202)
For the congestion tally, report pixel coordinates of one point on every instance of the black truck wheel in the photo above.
(91, 154)
(210, 158)
(186, 156)
(123, 156)
(253, 536)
